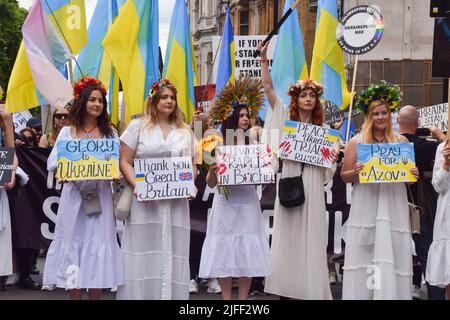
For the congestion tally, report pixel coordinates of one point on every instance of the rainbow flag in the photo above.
(226, 70)
(180, 66)
(328, 60)
(132, 43)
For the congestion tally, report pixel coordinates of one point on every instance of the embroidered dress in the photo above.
(85, 252)
(438, 266)
(300, 235)
(155, 241)
(378, 263)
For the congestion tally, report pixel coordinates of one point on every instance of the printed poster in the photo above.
(387, 162)
(245, 165)
(89, 159)
(307, 143)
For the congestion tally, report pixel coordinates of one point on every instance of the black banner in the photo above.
(34, 206)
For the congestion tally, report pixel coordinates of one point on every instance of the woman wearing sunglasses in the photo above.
(60, 119)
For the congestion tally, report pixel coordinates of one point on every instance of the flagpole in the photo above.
(71, 72)
(352, 94)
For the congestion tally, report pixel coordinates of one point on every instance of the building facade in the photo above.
(403, 56)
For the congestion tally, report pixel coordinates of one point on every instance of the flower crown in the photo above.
(158, 85)
(302, 85)
(245, 92)
(86, 82)
(389, 93)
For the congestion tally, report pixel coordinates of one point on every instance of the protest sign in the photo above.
(164, 178)
(434, 116)
(308, 143)
(334, 114)
(20, 120)
(240, 165)
(204, 97)
(88, 159)
(386, 162)
(6, 165)
(245, 47)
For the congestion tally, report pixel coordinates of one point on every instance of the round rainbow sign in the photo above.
(360, 30)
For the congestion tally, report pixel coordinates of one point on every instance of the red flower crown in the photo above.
(86, 82)
(158, 85)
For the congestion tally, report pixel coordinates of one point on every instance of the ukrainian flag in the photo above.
(328, 60)
(69, 18)
(180, 66)
(290, 127)
(289, 61)
(132, 44)
(226, 70)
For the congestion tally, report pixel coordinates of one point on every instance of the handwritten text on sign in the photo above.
(239, 165)
(434, 116)
(96, 159)
(164, 178)
(6, 165)
(387, 162)
(308, 143)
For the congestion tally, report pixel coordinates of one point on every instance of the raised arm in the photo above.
(265, 75)
(6, 124)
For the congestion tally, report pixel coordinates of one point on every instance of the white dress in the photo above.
(438, 266)
(85, 252)
(378, 253)
(155, 242)
(300, 235)
(5, 236)
(236, 244)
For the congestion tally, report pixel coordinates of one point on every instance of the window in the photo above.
(244, 23)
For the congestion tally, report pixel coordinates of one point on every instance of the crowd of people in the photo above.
(153, 259)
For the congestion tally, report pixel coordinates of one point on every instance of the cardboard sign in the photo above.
(308, 143)
(386, 162)
(434, 116)
(6, 165)
(361, 30)
(96, 159)
(204, 97)
(245, 46)
(20, 120)
(164, 178)
(241, 165)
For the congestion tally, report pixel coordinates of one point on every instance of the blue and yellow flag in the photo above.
(180, 66)
(328, 60)
(289, 60)
(132, 43)
(226, 70)
(69, 19)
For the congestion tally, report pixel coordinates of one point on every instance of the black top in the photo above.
(424, 151)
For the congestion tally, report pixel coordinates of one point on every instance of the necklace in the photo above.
(378, 140)
(88, 133)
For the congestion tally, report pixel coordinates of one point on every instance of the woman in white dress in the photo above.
(236, 244)
(6, 126)
(378, 254)
(438, 267)
(85, 253)
(300, 234)
(155, 242)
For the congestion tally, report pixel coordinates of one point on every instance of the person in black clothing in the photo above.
(422, 191)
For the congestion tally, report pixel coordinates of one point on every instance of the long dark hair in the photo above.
(78, 112)
(233, 123)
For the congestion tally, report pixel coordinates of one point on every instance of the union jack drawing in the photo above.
(185, 176)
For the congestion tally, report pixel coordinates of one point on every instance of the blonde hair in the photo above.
(53, 133)
(367, 128)
(150, 118)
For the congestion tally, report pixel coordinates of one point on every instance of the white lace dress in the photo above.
(236, 244)
(155, 242)
(85, 252)
(5, 236)
(378, 254)
(438, 266)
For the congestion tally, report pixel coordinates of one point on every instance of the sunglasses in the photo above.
(61, 116)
